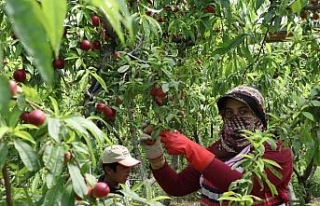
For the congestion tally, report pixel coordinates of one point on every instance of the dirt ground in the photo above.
(184, 203)
(314, 202)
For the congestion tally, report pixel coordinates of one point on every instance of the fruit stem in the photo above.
(36, 106)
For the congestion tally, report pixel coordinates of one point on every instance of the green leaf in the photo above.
(305, 136)
(54, 195)
(3, 153)
(15, 113)
(95, 131)
(298, 5)
(308, 115)
(246, 52)
(271, 162)
(72, 123)
(50, 180)
(272, 187)
(116, 12)
(35, 182)
(53, 159)
(228, 45)
(154, 26)
(27, 20)
(100, 80)
(23, 135)
(79, 63)
(90, 126)
(258, 4)
(5, 95)
(315, 103)
(31, 94)
(54, 13)
(68, 195)
(78, 183)
(54, 128)
(55, 105)
(316, 156)
(3, 131)
(27, 155)
(123, 68)
(80, 147)
(84, 81)
(146, 27)
(25, 126)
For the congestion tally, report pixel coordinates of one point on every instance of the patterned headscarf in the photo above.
(248, 95)
(232, 140)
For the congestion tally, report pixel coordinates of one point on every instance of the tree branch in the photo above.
(7, 185)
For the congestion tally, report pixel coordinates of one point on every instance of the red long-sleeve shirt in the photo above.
(221, 175)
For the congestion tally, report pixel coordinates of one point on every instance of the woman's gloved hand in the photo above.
(152, 147)
(178, 144)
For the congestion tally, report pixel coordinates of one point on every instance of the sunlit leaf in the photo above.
(55, 105)
(100, 80)
(25, 127)
(72, 123)
(228, 45)
(31, 94)
(3, 153)
(298, 5)
(54, 128)
(27, 155)
(50, 180)
(271, 162)
(95, 131)
(78, 183)
(90, 126)
(54, 13)
(116, 12)
(68, 195)
(317, 156)
(315, 103)
(27, 21)
(308, 115)
(53, 159)
(54, 195)
(258, 4)
(5, 95)
(3, 131)
(123, 68)
(23, 135)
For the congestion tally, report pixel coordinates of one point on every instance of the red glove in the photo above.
(178, 144)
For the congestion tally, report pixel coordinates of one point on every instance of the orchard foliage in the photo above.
(86, 73)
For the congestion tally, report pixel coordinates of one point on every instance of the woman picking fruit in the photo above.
(210, 169)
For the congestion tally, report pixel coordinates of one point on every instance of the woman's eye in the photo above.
(244, 112)
(228, 113)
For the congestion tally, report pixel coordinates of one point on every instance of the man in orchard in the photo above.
(117, 163)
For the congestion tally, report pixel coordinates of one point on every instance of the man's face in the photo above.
(120, 175)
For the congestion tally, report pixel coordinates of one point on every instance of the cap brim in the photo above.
(129, 162)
